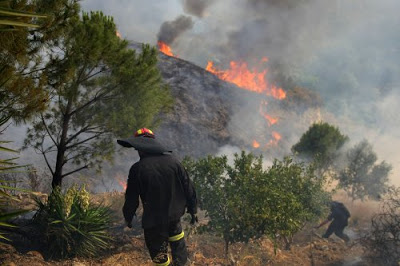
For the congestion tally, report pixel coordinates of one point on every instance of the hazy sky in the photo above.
(137, 20)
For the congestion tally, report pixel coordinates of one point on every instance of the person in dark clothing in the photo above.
(165, 190)
(340, 215)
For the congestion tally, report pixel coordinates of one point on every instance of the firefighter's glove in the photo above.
(194, 219)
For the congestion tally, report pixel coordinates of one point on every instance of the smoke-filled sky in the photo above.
(348, 51)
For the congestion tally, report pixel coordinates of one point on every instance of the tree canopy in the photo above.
(363, 176)
(245, 201)
(26, 28)
(320, 143)
(98, 88)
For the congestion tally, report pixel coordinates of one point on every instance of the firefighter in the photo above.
(165, 190)
(340, 215)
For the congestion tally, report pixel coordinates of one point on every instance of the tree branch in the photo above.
(47, 130)
(45, 157)
(83, 141)
(95, 98)
(83, 129)
(76, 170)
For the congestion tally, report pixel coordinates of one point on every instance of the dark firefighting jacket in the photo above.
(339, 213)
(164, 187)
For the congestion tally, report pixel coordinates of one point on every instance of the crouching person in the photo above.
(165, 190)
(339, 216)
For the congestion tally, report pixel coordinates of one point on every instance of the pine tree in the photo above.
(98, 89)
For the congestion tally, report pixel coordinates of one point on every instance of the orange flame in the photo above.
(256, 144)
(276, 138)
(118, 34)
(123, 184)
(164, 48)
(251, 80)
(271, 120)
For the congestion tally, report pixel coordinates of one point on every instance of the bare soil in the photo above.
(129, 247)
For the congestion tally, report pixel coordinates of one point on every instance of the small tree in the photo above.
(294, 196)
(244, 201)
(99, 88)
(320, 143)
(363, 176)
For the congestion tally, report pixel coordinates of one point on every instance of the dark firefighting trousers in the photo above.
(157, 239)
(337, 227)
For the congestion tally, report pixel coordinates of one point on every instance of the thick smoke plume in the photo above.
(170, 30)
(196, 7)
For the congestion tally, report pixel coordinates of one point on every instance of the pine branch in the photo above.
(76, 170)
(84, 141)
(47, 130)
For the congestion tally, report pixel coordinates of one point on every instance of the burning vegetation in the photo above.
(165, 49)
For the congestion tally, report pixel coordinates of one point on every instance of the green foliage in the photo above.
(100, 89)
(363, 176)
(7, 165)
(294, 195)
(22, 82)
(320, 143)
(245, 201)
(71, 226)
(11, 19)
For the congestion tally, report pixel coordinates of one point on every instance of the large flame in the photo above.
(164, 48)
(252, 80)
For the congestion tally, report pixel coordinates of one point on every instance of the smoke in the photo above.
(170, 30)
(196, 7)
(346, 52)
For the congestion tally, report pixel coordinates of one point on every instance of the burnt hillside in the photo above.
(200, 121)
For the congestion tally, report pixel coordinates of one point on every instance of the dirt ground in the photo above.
(129, 247)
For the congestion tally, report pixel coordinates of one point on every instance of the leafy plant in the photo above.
(7, 165)
(71, 226)
(244, 201)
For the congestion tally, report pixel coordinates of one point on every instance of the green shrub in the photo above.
(71, 225)
(7, 166)
(245, 201)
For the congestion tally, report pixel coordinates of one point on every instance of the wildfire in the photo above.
(276, 137)
(123, 184)
(165, 49)
(256, 144)
(118, 34)
(252, 80)
(271, 120)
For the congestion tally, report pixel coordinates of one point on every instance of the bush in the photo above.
(71, 226)
(383, 241)
(245, 202)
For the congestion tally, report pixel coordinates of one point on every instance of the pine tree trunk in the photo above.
(62, 147)
(226, 248)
